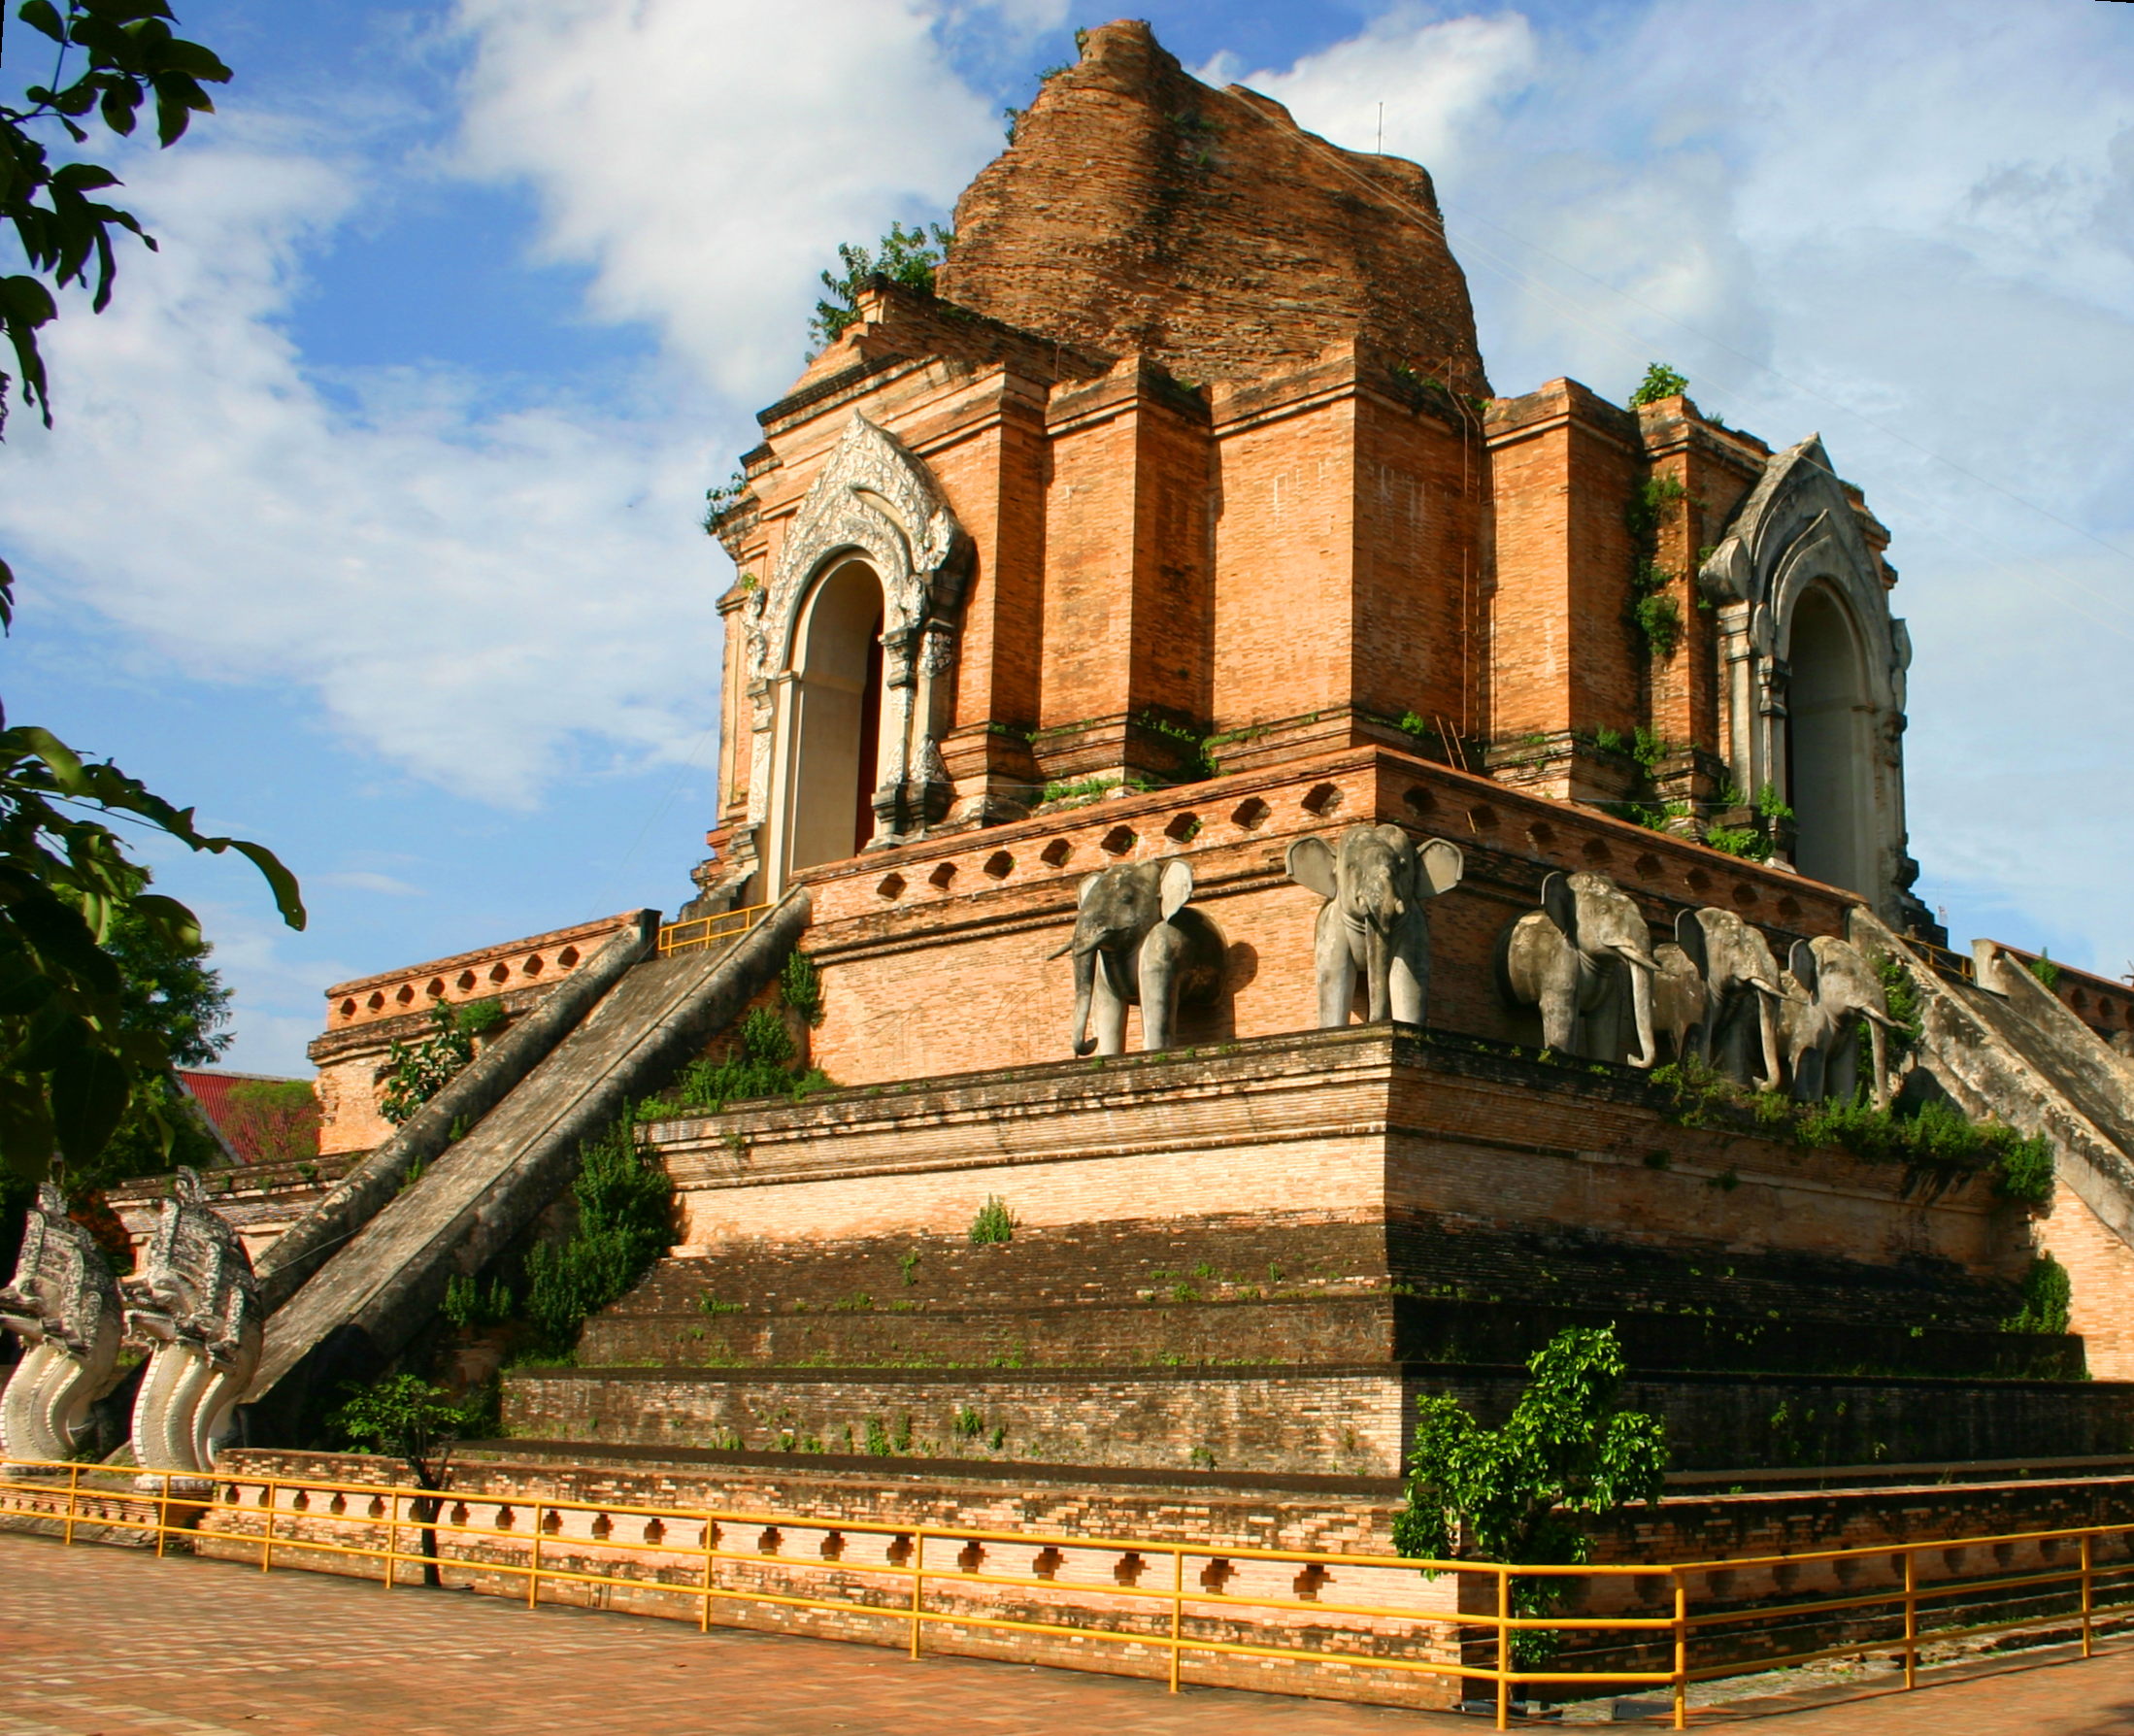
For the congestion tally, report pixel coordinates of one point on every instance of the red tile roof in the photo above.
(212, 1091)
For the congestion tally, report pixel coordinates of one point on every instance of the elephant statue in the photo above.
(1681, 1002)
(1741, 980)
(1136, 941)
(1581, 958)
(1377, 885)
(1830, 992)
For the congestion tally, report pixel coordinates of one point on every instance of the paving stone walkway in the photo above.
(106, 1642)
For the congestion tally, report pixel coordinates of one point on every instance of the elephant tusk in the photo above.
(1882, 1018)
(1061, 954)
(1762, 986)
(1645, 961)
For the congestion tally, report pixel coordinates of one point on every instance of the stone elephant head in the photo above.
(1584, 958)
(1741, 982)
(1136, 941)
(1377, 885)
(1830, 992)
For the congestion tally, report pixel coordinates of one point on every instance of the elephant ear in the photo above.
(1310, 864)
(1561, 904)
(1801, 961)
(1088, 886)
(1177, 887)
(1439, 866)
(1689, 936)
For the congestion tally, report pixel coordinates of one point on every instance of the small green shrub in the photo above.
(2023, 1168)
(1660, 382)
(993, 1223)
(625, 1220)
(469, 1304)
(2046, 971)
(1659, 621)
(2045, 1297)
(905, 257)
(908, 1263)
(800, 984)
(417, 1071)
(1739, 840)
(1507, 1494)
(968, 1425)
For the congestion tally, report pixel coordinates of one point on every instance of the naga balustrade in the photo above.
(1457, 1619)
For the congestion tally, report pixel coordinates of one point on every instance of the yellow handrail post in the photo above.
(918, 1580)
(393, 1543)
(1503, 1649)
(710, 1537)
(266, 1537)
(162, 1502)
(74, 1484)
(1682, 1651)
(1177, 1607)
(2089, 1598)
(1911, 1617)
(533, 1560)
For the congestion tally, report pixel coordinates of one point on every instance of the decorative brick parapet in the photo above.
(536, 962)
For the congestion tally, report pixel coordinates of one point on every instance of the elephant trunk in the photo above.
(1767, 1025)
(1086, 971)
(1642, 967)
(1379, 962)
(1877, 1043)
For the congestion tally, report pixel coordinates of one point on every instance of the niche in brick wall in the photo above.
(467, 980)
(890, 886)
(943, 873)
(1322, 799)
(1418, 800)
(999, 865)
(1056, 852)
(1117, 840)
(1251, 814)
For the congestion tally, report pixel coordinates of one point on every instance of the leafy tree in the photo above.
(907, 257)
(73, 1060)
(275, 1118)
(416, 1072)
(1508, 1494)
(419, 1425)
(1660, 382)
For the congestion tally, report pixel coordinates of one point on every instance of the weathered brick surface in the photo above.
(1139, 210)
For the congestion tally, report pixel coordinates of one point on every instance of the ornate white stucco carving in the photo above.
(1795, 531)
(64, 1306)
(194, 1305)
(875, 500)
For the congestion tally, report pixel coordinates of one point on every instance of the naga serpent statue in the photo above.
(64, 1306)
(195, 1307)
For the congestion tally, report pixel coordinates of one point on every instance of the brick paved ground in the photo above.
(103, 1642)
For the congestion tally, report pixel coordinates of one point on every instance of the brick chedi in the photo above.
(1169, 572)
(1141, 213)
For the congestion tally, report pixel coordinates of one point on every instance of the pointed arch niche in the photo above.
(1813, 675)
(851, 658)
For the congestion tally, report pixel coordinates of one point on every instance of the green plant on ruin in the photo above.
(707, 1303)
(720, 500)
(469, 1304)
(905, 257)
(2046, 971)
(416, 1072)
(2047, 1295)
(800, 984)
(968, 1425)
(1509, 1494)
(625, 1222)
(1738, 841)
(762, 1061)
(1195, 762)
(993, 1223)
(1660, 382)
(908, 1264)
(1648, 509)
(1660, 622)
(1082, 789)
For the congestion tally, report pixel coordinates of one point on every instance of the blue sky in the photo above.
(369, 524)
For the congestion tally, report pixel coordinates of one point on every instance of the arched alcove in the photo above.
(837, 716)
(1829, 753)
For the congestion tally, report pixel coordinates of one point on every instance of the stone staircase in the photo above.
(375, 1258)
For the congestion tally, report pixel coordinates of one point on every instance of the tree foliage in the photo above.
(907, 257)
(72, 1061)
(1509, 1493)
(276, 1121)
(416, 1072)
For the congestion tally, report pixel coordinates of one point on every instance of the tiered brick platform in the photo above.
(1253, 1255)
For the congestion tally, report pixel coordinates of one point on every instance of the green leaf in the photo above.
(40, 16)
(89, 1092)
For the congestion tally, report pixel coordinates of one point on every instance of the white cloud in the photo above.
(705, 159)
(1911, 228)
(362, 880)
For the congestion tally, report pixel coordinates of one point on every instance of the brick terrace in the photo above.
(303, 1653)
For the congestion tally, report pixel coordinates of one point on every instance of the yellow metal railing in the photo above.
(699, 932)
(682, 1551)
